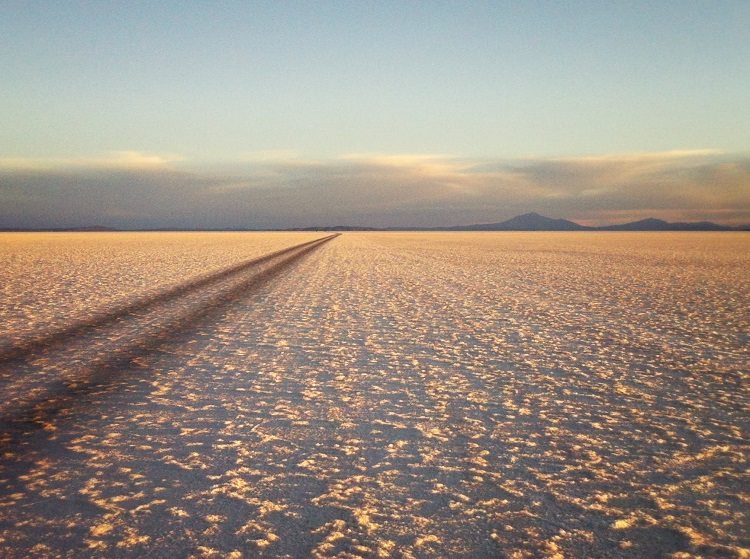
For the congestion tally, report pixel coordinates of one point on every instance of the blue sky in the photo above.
(422, 108)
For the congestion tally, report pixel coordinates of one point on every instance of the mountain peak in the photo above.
(532, 221)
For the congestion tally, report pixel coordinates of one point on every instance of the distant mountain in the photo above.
(652, 224)
(92, 228)
(648, 224)
(535, 222)
(84, 229)
(526, 222)
(335, 228)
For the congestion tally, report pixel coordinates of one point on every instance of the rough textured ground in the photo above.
(49, 280)
(417, 395)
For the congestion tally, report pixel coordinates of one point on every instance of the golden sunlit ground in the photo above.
(411, 395)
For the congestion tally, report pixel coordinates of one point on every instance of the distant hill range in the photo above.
(85, 229)
(336, 228)
(526, 222)
(535, 222)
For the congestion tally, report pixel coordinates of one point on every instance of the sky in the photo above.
(280, 114)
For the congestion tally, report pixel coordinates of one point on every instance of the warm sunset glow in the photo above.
(346, 279)
(390, 115)
(374, 394)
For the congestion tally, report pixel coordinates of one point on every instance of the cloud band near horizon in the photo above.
(131, 190)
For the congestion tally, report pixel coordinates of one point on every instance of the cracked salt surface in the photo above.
(51, 279)
(414, 395)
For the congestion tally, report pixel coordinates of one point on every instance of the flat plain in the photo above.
(421, 395)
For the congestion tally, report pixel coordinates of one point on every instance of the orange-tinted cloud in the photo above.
(282, 189)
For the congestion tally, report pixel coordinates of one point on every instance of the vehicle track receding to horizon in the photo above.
(399, 395)
(37, 374)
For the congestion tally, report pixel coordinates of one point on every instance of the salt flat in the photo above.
(410, 395)
(51, 279)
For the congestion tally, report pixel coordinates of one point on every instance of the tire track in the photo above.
(41, 376)
(45, 341)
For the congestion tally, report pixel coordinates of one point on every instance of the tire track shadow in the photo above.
(45, 400)
(24, 349)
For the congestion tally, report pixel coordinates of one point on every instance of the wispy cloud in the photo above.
(437, 165)
(280, 189)
(117, 159)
